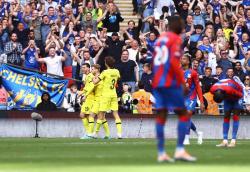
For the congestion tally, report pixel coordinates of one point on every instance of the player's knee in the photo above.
(160, 120)
(236, 117)
(227, 119)
(184, 118)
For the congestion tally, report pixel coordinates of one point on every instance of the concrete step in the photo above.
(122, 1)
(125, 9)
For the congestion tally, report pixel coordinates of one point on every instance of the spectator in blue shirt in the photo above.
(206, 46)
(30, 53)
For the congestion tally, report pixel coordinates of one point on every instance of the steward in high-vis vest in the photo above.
(144, 99)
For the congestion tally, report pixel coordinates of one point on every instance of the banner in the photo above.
(26, 87)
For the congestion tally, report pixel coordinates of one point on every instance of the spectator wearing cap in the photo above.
(128, 70)
(238, 71)
(195, 38)
(115, 46)
(198, 16)
(147, 77)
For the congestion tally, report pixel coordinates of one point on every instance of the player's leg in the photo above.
(91, 124)
(236, 123)
(118, 122)
(226, 126)
(160, 125)
(187, 135)
(99, 120)
(106, 128)
(199, 134)
(85, 123)
(183, 122)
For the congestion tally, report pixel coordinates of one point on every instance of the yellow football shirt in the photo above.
(98, 89)
(109, 78)
(89, 85)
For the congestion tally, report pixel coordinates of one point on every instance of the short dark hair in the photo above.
(141, 85)
(175, 24)
(238, 63)
(147, 65)
(110, 61)
(208, 68)
(131, 21)
(230, 68)
(219, 96)
(73, 85)
(218, 67)
(86, 64)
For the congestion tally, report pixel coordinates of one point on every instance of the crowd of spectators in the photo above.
(59, 36)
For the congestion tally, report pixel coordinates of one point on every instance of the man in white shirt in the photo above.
(53, 62)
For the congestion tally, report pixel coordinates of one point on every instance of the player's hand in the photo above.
(202, 107)
(185, 89)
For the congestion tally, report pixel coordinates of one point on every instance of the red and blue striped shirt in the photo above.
(166, 62)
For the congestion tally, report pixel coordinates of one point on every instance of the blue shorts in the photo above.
(190, 104)
(233, 105)
(169, 98)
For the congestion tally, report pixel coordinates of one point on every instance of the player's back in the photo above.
(109, 78)
(166, 61)
(232, 89)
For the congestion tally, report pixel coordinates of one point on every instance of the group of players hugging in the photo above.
(175, 87)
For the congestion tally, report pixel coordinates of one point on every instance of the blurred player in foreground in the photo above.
(194, 89)
(231, 92)
(109, 100)
(168, 88)
(96, 106)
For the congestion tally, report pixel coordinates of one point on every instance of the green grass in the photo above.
(66, 155)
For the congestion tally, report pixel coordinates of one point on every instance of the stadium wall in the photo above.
(133, 126)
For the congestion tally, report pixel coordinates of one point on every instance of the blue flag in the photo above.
(26, 87)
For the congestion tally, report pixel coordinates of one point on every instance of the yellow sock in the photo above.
(106, 128)
(98, 125)
(119, 126)
(85, 122)
(91, 125)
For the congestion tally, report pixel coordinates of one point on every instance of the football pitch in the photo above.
(128, 155)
